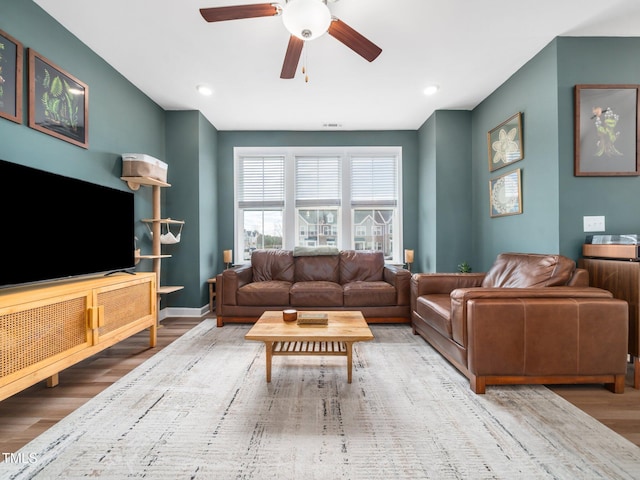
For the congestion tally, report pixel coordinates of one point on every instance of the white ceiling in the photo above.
(467, 47)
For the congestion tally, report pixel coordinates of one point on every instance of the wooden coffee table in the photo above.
(288, 338)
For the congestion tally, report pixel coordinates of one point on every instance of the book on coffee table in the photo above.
(312, 318)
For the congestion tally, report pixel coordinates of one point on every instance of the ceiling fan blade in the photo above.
(292, 57)
(219, 14)
(355, 41)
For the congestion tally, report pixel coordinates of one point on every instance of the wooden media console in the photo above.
(46, 328)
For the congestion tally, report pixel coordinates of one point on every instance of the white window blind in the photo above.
(261, 182)
(350, 197)
(318, 181)
(374, 181)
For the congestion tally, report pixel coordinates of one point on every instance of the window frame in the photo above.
(290, 227)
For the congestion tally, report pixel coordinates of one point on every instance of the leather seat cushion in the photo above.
(316, 294)
(436, 308)
(271, 292)
(360, 294)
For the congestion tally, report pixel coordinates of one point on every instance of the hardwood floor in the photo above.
(27, 414)
(621, 413)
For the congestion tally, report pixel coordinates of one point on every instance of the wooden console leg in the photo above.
(53, 380)
(153, 335)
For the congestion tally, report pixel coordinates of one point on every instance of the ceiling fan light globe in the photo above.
(306, 19)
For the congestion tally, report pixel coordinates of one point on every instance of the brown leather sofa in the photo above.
(330, 280)
(531, 319)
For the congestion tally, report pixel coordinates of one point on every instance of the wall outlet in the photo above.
(593, 224)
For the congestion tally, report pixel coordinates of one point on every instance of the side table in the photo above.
(622, 279)
(212, 293)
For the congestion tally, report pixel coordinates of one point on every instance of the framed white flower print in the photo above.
(505, 143)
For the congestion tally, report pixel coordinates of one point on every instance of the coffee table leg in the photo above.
(269, 349)
(349, 360)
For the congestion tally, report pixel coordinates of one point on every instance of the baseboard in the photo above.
(182, 312)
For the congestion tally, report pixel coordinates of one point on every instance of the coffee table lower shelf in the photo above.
(340, 349)
(309, 348)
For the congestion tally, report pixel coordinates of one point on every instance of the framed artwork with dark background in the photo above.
(58, 101)
(11, 61)
(606, 130)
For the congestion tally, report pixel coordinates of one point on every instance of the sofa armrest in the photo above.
(464, 294)
(426, 283)
(441, 283)
(400, 278)
(232, 280)
(580, 278)
(461, 296)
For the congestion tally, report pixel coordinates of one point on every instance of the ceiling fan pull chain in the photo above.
(304, 66)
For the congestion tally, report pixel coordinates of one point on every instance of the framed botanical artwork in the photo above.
(607, 130)
(504, 143)
(11, 60)
(58, 102)
(505, 194)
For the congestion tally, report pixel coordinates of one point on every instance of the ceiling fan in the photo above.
(305, 20)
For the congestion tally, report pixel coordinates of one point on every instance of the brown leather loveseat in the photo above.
(532, 318)
(314, 279)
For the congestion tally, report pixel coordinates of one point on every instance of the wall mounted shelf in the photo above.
(135, 182)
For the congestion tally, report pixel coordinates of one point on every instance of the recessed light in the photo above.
(431, 89)
(205, 90)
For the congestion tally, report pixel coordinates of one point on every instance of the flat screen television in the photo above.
(56, 227)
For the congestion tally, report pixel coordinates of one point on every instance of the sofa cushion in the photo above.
(369, 294)
(436, 309)
(317, 268)
(272, 265)
(521, 270)
(316, 294)
(361, 266)
(271, 292)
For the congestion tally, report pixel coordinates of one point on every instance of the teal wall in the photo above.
(593, 61)
(533, 91)
(408, 140)
(426, 251)
(121, 119)
(554, 200)
(191, 145)
(445, 188)
(445, 165)
(208, 207)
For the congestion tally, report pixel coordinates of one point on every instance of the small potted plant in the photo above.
(464, 267)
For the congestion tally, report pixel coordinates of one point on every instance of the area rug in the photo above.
(201, 409)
